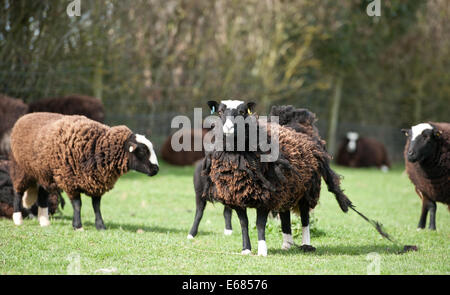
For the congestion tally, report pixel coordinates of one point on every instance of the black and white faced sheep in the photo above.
(357, 151)
(427, 161)
(74, 104)
(11, 109)
(301, 120)
(76, 155)
(240, 180)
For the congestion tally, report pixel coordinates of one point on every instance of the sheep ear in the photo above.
(251, 107)
(132, 147)
(438, 133)
(405, 131)
(213, 105)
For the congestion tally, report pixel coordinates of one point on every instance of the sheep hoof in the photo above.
(420, 229)
(227, 232)
(190, 237)
(262, 248)
(79, 229)
(246, 252)
(286, 246)
(17, 218)
(307, 248)
(43, 222)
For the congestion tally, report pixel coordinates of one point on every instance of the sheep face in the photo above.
(352, 138)
(142, 157)
(423, 142)
(228, 110)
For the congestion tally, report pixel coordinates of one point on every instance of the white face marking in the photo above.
(142, 139)
(352, 138)
(232, 104)
(306, 240)
(419, 128)
(228, 127)
(262, 248)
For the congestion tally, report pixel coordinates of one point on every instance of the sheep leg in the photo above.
(432, 208)
(243, 219)
(17, 206)
(42, 202)
(304, 216)
(288, 241)
(227, 212)
(261, 220)
(99, 224)
(424, 213)
(76, 204)
(200, 207)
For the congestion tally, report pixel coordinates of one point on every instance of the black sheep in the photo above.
(241, 180)
(427, 161)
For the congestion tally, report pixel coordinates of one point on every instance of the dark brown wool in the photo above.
(234, 186)
(369, 153)
(11, 109)
(433, 180)
(183, 158)
(301, 120)
(72, 153)
(75, 104)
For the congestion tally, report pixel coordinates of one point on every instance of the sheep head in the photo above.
(142, 157)
(423, 142)
(229, 110)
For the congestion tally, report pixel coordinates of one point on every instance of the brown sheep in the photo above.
(356, 151)
(11, 109)
(75, 104)
(183, 158)
(427, 161)
(76, 155)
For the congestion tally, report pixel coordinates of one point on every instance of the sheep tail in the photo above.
(333, 183)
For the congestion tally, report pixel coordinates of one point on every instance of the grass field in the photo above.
(148, 220)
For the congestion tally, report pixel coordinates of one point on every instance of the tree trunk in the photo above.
(334, 115)
(98, 80)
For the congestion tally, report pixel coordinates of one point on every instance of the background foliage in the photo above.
(150, 59)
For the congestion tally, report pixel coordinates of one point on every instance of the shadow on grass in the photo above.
(135, 227)
(341, 250)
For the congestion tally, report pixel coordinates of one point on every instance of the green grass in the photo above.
(148, 220)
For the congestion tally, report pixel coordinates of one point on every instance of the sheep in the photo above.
(240, 180)
(183, 158)
(11, 109)
(427, 161)
(301, 120)
(74, 104)
(357, 151)
(76, 155)
(28, 205)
